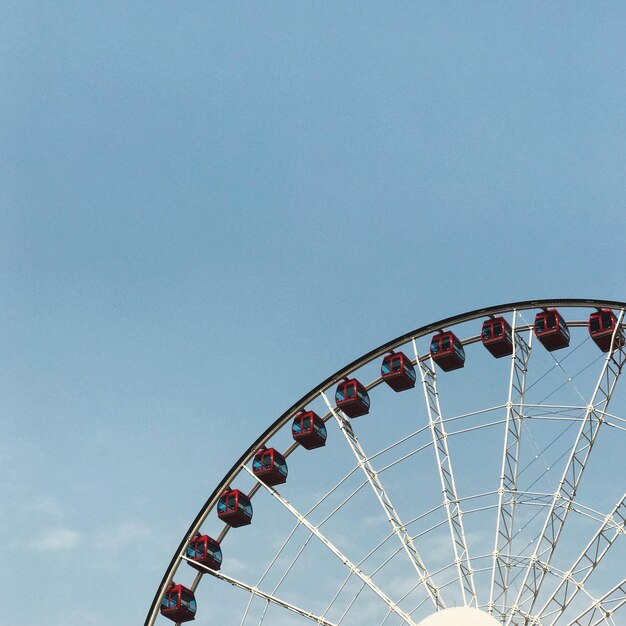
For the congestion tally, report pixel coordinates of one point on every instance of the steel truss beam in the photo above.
(572, 475)
(507, 493)
(262, 594)
(340, 555)
(448, 485)
(602, 609)
(612, 527)
(396, 523)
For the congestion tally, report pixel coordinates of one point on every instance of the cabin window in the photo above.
(170, 600)
(215, 553)
(607, 321)
(497, 329)
(188, 602)
(551, 321)
(540, 325)
(486, 332)
(434, 346)
(445, 343)
(396, 364)
(195, 550)
(350, 391)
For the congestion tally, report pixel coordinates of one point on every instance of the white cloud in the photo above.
(124, 534)
(58, 539)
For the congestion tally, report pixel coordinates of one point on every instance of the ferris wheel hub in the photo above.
(460, 616)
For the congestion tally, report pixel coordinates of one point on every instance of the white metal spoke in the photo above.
(602, 609)
(448, 485)
(580, 451)
(611, 528)
(507, 493)
(398, 527)
(331, 546)
(262, 594)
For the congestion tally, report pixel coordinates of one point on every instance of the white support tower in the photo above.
(398, 527)
(507, 492)
(562, 500)
(448, 485)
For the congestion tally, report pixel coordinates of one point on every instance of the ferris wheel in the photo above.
(468, 473)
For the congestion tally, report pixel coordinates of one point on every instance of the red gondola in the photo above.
(497, 337)
(309, 430)
(270, 466)
(234, 508)
(551, 330)
(178, 604)
(397, 371)
(351, 397)
(601, 326)
(447, 351)
(206, 551)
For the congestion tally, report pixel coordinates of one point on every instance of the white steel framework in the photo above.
(507, 492)
(572, 475)
(394, 519)
(612, 527)
(512, 574)
(367, 580)
(604, 608)
(448, 484)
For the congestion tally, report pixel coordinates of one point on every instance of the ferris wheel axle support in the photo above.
(507, 493)
(398, 527)
(612, 527)
(331, 546)
(572, 475)
(448, 485)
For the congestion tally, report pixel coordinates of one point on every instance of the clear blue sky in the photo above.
(207, 208)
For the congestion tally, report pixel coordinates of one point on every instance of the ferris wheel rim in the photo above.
(329, 382)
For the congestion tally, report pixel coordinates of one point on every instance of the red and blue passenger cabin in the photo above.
(309, 430)
(234, 508)
(204, 550)
(178, 604)
(551, 330)
(602, 323)
(398, 371)
(497, 337)
(447, 351)
(352, 398)
(269, 466)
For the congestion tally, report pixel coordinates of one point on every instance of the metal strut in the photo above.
(340, 555)
(448, 485)
(613, 526)
(572, 475)
(507, 493)
(602, 609)
(262, 594)
(398, 527)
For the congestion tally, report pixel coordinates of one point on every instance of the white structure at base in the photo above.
(460, 616)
